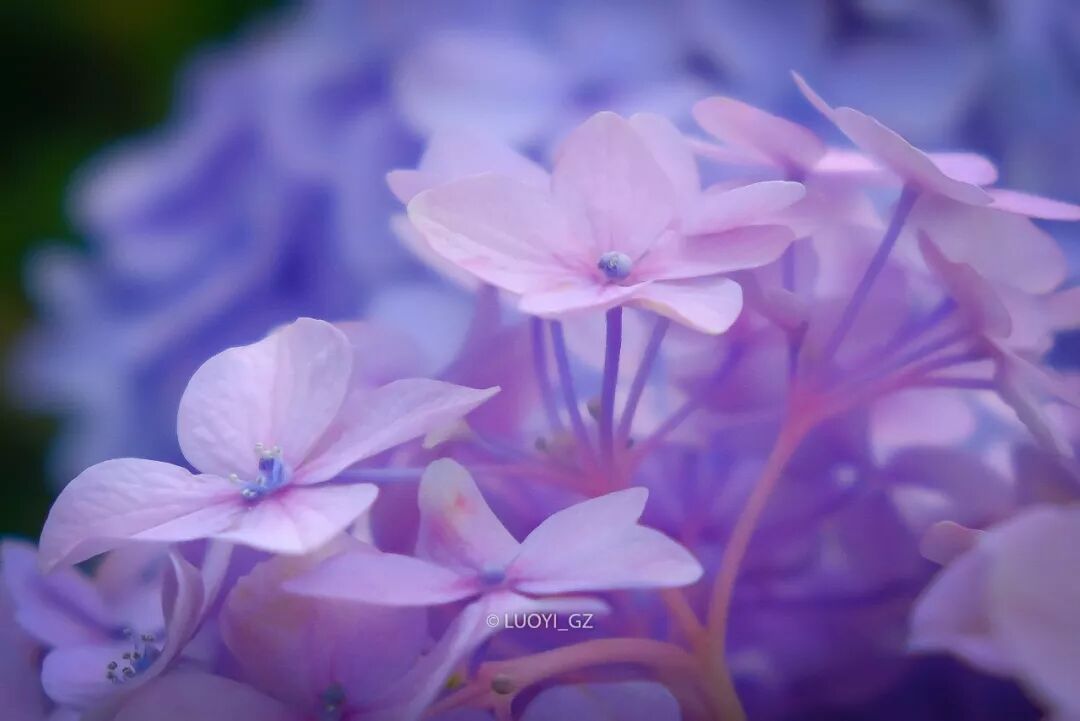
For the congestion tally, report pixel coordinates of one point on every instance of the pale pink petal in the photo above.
(299, 519)
(457, 527)
(721, 209)
(708, 305)
(946, 541)
(188, 695)
(670, 149)
(282, 391)
(575, 297)
(501, 230)
(1003, 247)
(381, 354)
(918, 417)
(372, 421)
(893, 151)
(388, 579)
(952, 615)
(966, 167)
(976, 298)
(134, 499)
(775, 140)
(726, 252)
(1034, 594)
(1033, 206)
(596, 545)
(454, 154)
(606, 177)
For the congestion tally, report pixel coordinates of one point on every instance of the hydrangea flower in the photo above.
(267, 425)
(464, 551)
(623, 221)
(1008, 605)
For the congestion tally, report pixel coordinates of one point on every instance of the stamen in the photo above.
(144, 653)
(272, 474)
(615, 265)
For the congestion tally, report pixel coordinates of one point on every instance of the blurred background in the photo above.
(179, 176)
(78, 76)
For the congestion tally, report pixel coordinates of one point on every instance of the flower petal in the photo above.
(300, 519)
(670, 150)
(1034, 594)
(1033, 206)
(457, 527)
(753, 204)
(577, 297)
(596, 545)
(373, 421)
(890, 149)
(282, 391)
(952, 615)
(134, 499)
(499, 229)
(456, 153)
(708, 305)
(775, 140)
(388, 579)
(190, 695)
(606, 177)
(726, 252)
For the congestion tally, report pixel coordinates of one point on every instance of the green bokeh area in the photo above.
(77, 75)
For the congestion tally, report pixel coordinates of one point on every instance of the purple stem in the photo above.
(543, 380)
(566, 382)
(851, 311)
(637, 386)
(612, 350)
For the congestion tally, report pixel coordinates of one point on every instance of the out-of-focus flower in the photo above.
(1009, 605)
(267, 425)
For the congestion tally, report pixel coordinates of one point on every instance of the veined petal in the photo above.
(300, 519)
(576, 297)
(708, 305)
(499, 229)
(606, 177)
(705, 255)
(457, 527)
(282, 391)
(134, 499)
(638, 557)
(373, 421)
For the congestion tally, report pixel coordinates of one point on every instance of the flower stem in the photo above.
(637, 386)
(788, 440)
(908, 196)
(612, 351)
(543, 380)
(570, 399)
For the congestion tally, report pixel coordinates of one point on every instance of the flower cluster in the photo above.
(722, 395)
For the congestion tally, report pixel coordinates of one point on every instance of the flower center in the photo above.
(144, 651)
(615, 265)
(492, 577)
(273, 474)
